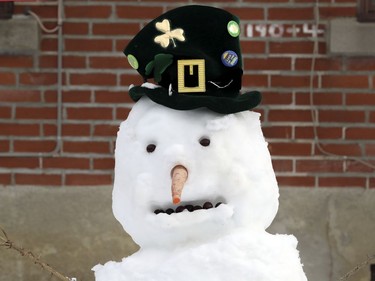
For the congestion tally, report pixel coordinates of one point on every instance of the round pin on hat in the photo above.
(229, 58)
(133, 61)
(233, 28)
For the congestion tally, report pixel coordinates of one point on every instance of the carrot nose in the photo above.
(179, 176)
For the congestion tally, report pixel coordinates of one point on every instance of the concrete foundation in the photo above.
(19, 35)
(346, 36)
(72, 229)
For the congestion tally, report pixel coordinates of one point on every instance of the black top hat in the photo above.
(193, 53)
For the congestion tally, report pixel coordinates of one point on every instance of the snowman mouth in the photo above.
(188, 208)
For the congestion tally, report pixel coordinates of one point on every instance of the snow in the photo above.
(228, 242)
(243, 255)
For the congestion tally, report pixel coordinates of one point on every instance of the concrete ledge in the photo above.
(19, 36)
(346, 36)
(73, 229)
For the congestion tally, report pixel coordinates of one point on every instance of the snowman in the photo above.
(194, 184)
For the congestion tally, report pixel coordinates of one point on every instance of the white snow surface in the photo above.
(242, 255)
(224, 243)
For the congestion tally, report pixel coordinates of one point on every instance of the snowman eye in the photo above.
(151, 148)
(204, 141)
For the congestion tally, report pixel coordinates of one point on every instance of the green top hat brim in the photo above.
(223, 105)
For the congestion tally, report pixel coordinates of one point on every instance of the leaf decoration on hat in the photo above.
(159, 65)
(164, 39)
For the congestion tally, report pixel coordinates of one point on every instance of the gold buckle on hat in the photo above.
(182, 88)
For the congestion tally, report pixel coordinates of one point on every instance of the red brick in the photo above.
(291, 13)
(76, 96)
(255, 80)
(104, 164)
(5, 179)
(116, 28)
(19, 129)
(19, 162)
(352, 149)
(5, 112)
(284, 132)
(45, 12)
(49, 130)
(112, 97)
(122, 113)
(88, 179)
(40, 79)
(68, 62)
(38, 179)
(319, 98)
(88, 11)
(345, 81)
(372, 182)
(358, 167)
(282, 165)
(290, 149)
(348, 181)
(4, 145)
(337, 11)
(253, 47)
(372, 117)
(106, 130)
(276, 98)
(266, 1)
(360, 133)
(323, 132)
(34, 146)
(289, 115)
(16, 61)
(135, 12)
(76, 28)
(314, 1)
(360, 99)
(36, 113)
(369, 149)
(296, 181)
(88, 45)
(86, 147)
(319, 166)
(76, 130)
(50, 96)
(360, 64)
(93, 79)
(267, 64)
(109, 62)
(20, 96)
(289, 81)
(246, 13)
(66, 163)
(129, 79)
(7, 78)
(320, 64)
(343, 116)
(89, 113)
(295, 47)
(121, 44)
(48, 44)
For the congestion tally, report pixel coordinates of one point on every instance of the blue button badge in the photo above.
(229, 58)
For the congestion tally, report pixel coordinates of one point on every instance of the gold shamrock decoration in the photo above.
(169, 35)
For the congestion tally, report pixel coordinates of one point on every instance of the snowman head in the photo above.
(221, 164)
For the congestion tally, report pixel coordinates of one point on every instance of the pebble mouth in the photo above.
(189, 207)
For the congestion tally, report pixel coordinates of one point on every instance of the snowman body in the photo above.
(231, 169)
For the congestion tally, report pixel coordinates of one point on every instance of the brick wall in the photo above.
(278, 48)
